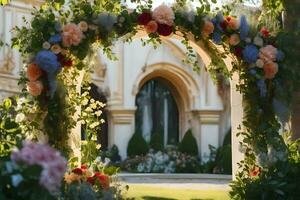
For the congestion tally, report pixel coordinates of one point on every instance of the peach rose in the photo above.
(151, 27)
(232, 22)
(56, 49)
(72, 35)
(268, 53)
(83, 26)
(33, 72)
(255, 172)
(270, 70)
(70, 178)
(35, 88)
(164, 15)
(208, 28)
(234, 39)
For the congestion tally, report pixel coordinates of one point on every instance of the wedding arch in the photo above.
(58, 43)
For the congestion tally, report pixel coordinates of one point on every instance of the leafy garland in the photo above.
(59, 40)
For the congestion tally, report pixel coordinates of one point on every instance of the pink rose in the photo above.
(268, 53)
(35, 88)
(270, 70)
(164, 15)
(234, 39)
(72, 35)
(208, 28)
(33, 72)
(151, 27)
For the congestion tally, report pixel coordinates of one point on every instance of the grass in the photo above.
(139, 192)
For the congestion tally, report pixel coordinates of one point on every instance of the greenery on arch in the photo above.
(60, 38)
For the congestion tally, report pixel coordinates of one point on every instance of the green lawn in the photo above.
(157, 193)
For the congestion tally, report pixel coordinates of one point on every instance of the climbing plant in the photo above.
(59, 39)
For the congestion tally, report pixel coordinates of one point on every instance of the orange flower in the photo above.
(151, 27)
(270, 70)
(70, 178)
(232, 22)
(35, 88)
(33, 72)
(255, 172)
(208, 28)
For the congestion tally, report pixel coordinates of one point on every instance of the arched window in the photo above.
(157, 111)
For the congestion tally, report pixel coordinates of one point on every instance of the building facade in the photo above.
(146, 90)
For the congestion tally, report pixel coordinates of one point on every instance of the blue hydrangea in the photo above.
(217, 38)
(262, 87)
(48, 62)
(244, 27)
(106, 20)
(250, 53)
(55, 39)
(217, 20)
(279, 55)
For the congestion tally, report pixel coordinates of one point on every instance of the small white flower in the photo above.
(46, 45)
(98, 113)
(248, 40)
(85, 102)
(260, 63)
(20, 117)
(258, 41)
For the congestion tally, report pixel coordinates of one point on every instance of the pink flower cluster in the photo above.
(53, 164)
(72, 34)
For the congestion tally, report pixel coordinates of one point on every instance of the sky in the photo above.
(255, 3)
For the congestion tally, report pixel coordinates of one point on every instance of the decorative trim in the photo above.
(122, 116)
(208, 116)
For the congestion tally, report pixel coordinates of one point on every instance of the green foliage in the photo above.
(4, 2)
(188, 144)
(10, 131)
(80, 191)
(112, 154)
(57, 121)
(157, 141)
(137, 145)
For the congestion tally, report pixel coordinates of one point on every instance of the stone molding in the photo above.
(208, 116)
(122, 116)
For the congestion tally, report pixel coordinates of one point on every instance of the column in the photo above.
(209, 132)
(121, 128)
(236, 120)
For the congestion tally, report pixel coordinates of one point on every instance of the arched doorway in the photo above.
(157, 111)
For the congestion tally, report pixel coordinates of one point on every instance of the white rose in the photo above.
(20, 117)
(46, 45)
(258, 41)
(260, 63)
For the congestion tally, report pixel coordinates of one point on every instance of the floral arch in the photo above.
(58, 43)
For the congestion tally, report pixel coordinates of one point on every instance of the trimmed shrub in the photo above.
(157, 142)
(188, 144)
(137, 145)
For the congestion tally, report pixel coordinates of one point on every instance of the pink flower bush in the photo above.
(52, 163)
(208, 28)
(164, 15)
(72, 35)
(268, 53)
